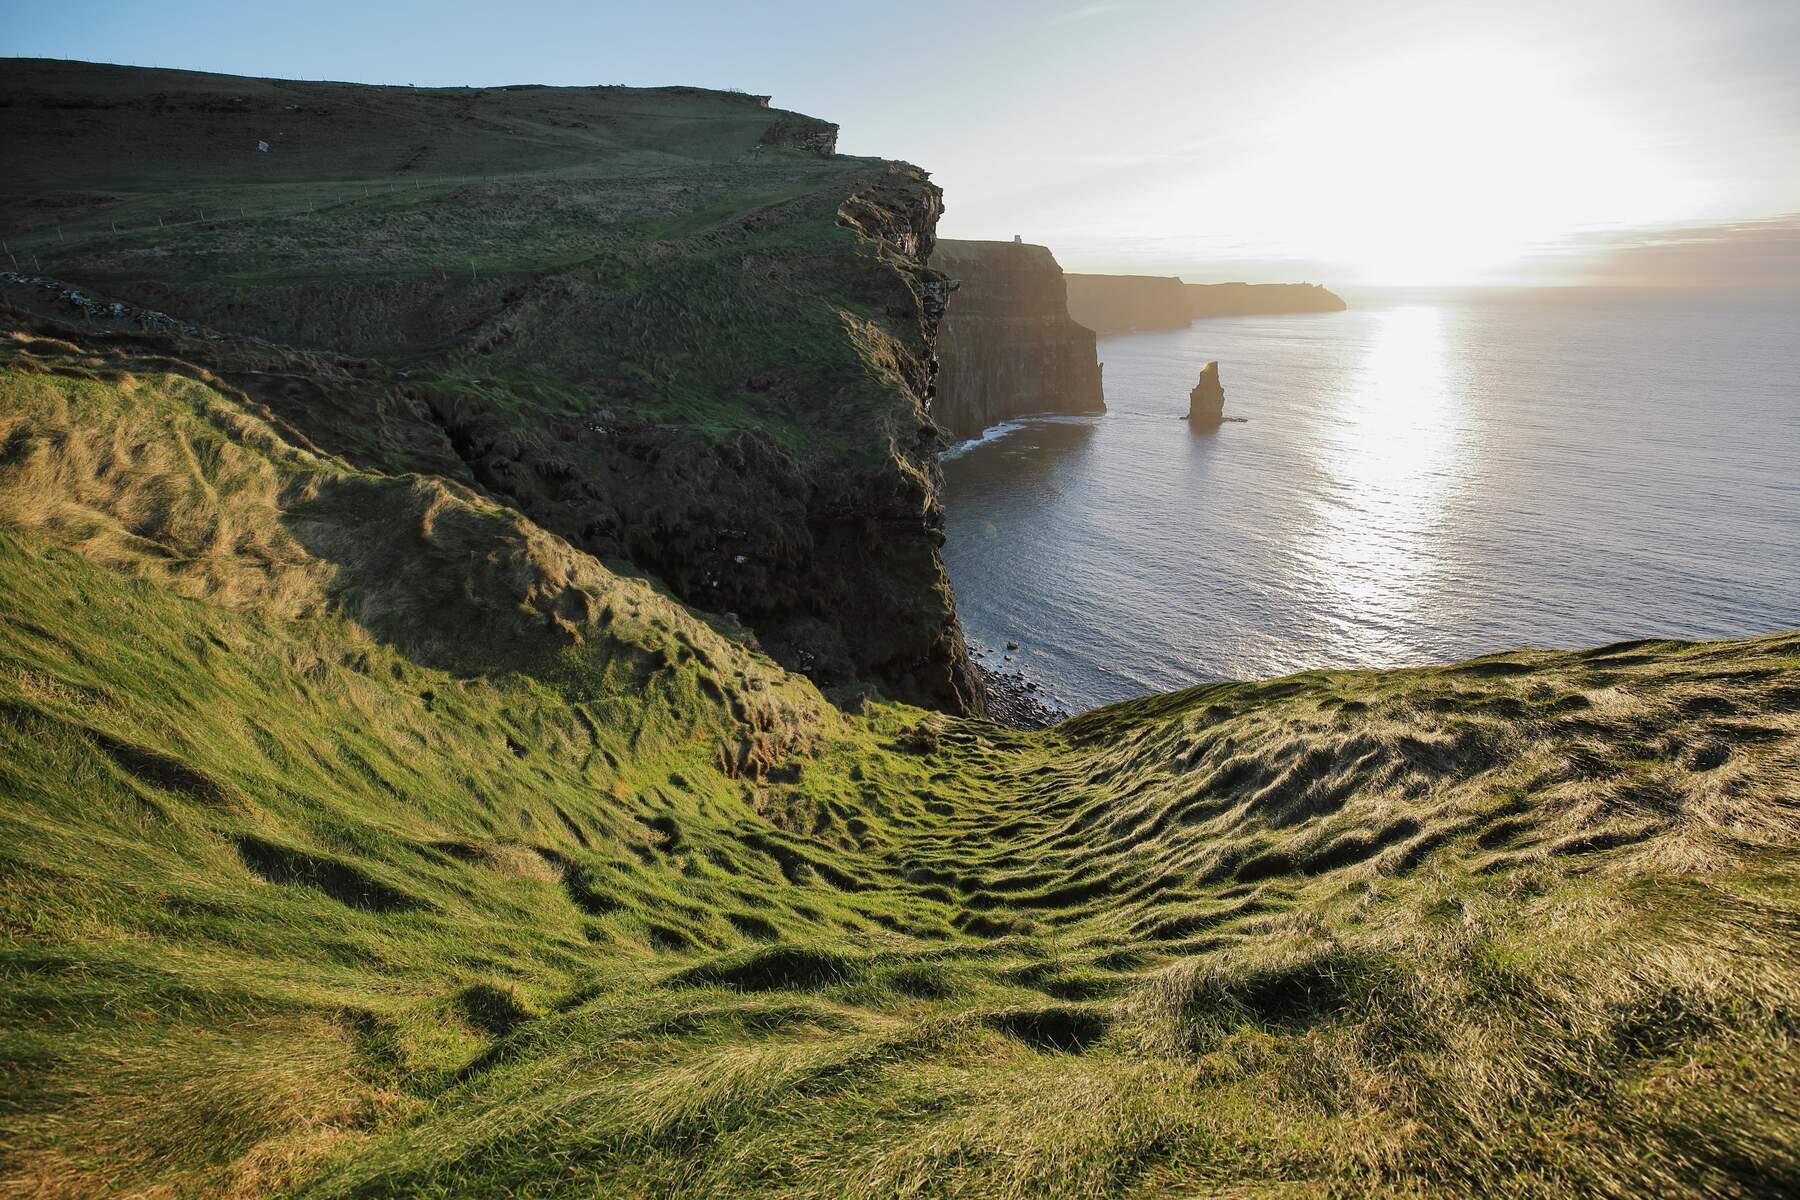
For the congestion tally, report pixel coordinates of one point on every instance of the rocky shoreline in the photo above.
(1014, 700)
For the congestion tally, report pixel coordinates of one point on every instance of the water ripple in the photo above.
(1420, 479)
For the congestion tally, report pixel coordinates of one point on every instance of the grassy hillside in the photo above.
(393, 221)
(360, 837)
(660, 322)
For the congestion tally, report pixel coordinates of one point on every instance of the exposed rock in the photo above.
(1120, 303)
(1007, 346)
(1206, 403)
(798, 132)
(1013, 700)
(96, 309)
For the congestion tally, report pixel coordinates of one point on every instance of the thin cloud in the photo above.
(1084, 12)
(1754, 254)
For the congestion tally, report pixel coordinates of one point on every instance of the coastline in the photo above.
(1011, 425)
(1014, 700)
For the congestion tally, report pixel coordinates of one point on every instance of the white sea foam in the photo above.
(994, 433)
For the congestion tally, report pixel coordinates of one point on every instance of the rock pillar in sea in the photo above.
(1206, 403)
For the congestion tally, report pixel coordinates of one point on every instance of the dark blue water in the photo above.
(1421, 479)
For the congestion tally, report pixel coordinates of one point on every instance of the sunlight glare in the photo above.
(1439, 168)
(1388, 462)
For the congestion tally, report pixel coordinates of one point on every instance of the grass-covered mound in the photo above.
(360, 837)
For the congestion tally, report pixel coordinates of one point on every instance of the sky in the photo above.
(1632, 142)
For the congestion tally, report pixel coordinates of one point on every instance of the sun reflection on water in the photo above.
(1386, 466)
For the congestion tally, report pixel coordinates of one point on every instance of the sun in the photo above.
(1443, 168)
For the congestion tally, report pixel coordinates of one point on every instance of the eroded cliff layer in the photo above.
(1121, 303)
(1007, 345)
(666, 324)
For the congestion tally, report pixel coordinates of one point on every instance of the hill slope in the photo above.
(562, 891)
(658, 321)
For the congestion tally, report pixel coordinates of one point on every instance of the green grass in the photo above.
(575, 235)
(551, 283)
(323, 878)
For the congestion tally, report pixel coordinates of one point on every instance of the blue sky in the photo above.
(1382, 141)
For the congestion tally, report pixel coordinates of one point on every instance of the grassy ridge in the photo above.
(360, 838)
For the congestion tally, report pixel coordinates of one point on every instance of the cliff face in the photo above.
(1117, 303)
(1120, 303)
(1251, 299)
(1007, 345)
(798, 132)
(665, 324)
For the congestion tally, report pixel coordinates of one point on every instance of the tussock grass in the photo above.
(361, 838)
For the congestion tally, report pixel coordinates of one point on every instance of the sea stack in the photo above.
(1206, 403)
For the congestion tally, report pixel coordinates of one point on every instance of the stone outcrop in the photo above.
(1206, 403)
(1122, 303)
(1007, 346)
(115, 312)
(798, 132)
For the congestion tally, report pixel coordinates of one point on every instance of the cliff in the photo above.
(1118, 303)
(1253, 299)
(1007, 346)
(667, 324)
(1121, 303)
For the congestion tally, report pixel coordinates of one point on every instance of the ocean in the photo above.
(1424, 478)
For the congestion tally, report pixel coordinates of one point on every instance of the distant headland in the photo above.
(1121, 303)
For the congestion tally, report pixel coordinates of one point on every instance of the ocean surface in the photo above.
(1427, 477)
